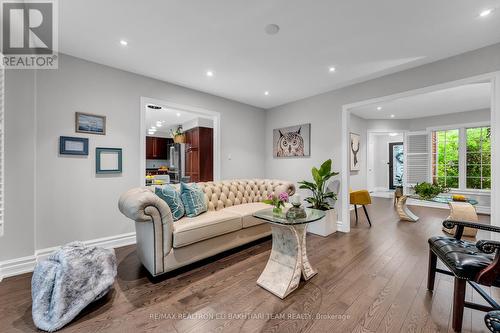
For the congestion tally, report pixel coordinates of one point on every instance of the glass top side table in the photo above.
(288, 261)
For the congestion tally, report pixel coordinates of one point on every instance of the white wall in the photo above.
(198, 122)
(388, 124)
(358, 178)
(18, 239)
(324, 111)
(450, 119)
(66, 201)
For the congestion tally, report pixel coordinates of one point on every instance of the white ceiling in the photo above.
(168, 117)
(459, 99)
(178, 41)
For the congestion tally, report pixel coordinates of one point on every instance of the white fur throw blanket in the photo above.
(73, 277)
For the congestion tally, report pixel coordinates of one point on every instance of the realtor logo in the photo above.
(29, 34)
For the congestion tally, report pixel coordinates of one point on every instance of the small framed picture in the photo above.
(355, 155)
(90, 123)
(108, 160)
(73, 146)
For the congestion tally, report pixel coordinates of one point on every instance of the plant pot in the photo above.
(326, 226)
(181, 138)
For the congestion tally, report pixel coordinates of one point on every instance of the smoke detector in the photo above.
(272, 29)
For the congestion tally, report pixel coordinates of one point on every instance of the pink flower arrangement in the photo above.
(277, 201)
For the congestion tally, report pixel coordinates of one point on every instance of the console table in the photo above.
(459, 210)
(288, 260)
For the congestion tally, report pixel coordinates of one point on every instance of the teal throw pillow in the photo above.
(173, 199)
(193, 199)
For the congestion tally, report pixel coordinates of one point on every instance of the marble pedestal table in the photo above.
(288, 261)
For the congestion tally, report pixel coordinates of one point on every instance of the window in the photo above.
(461, 157)
(446, 157)
(478, 158)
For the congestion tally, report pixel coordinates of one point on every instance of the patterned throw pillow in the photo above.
(193, 199)
(173, 199)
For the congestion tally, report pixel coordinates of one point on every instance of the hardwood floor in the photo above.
(370, 280)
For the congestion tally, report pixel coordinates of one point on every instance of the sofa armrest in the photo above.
(154, 226)
(134, 204)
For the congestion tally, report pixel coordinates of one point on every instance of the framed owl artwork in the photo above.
(293, 141)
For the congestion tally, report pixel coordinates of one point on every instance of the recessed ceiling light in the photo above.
(158, 124)
(123, 42)
(272, 29)
(178, 114)
(379, 108)
(393, 134)
(210, 73)
(331, 69)
(486, 12)
(392, 116)
(266, 93)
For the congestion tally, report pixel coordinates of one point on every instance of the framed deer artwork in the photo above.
(355, 144)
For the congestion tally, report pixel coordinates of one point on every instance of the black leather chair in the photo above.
(474, 263)
(492, 321)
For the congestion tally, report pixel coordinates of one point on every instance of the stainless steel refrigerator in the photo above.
(178, 162)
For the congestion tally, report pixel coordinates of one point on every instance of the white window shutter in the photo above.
(417, 158)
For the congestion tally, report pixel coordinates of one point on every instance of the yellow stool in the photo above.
(360, 197)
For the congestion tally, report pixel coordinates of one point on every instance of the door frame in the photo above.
(214, 115)
(370, 154)
(391, 164)
(492, 77)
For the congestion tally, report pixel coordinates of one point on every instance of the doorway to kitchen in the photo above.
(179, 143)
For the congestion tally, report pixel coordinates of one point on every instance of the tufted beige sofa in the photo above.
(164, 245)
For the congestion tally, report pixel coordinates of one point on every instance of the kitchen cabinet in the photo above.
(199, 154)
(157, 148)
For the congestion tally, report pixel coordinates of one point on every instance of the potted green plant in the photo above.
(178, 135)
(428, 191)
(320, 198)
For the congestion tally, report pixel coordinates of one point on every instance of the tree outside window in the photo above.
(478, 175)
(445, 157)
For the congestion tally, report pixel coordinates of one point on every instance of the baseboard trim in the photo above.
(341, 227)
(16, 266)
(26, 264)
